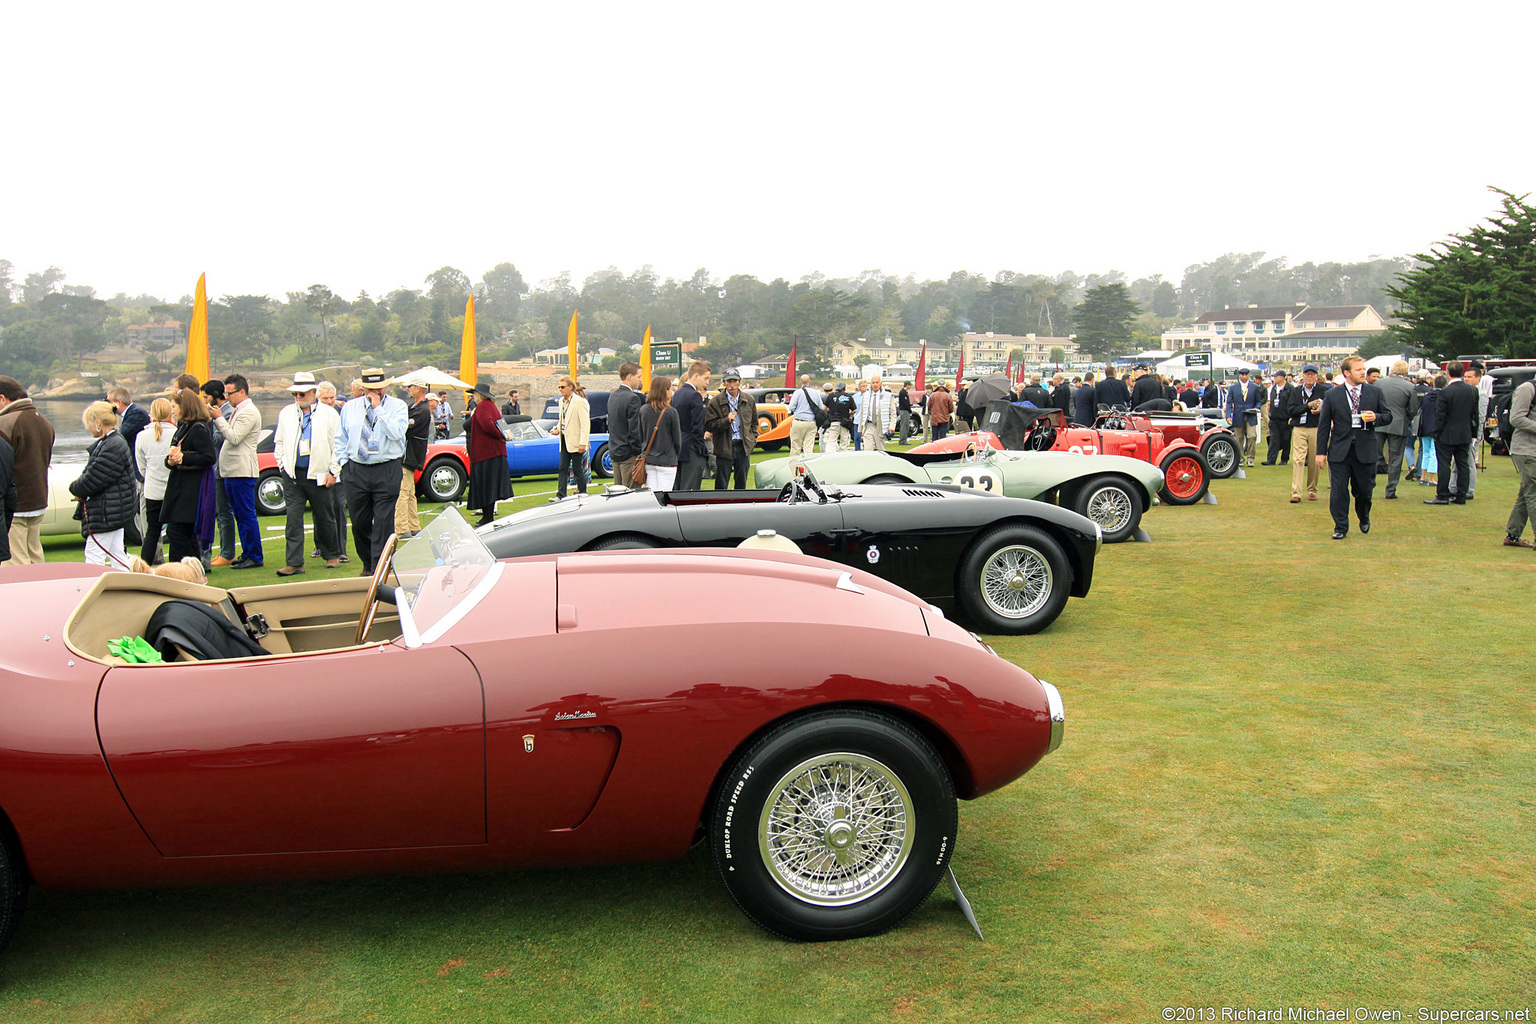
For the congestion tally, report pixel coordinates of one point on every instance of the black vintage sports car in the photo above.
(1009, 564)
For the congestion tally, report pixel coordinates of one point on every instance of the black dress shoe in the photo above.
(1339, 535)
(1469, 497)
(244, 563)
(1458, 501)
(1268, 463)
(1365, 526)
(1437, 501)
(1390, 497)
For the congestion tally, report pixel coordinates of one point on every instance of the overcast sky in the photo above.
(363, 146)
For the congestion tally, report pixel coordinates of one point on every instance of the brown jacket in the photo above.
(32, 437)
(717, 421)
(940, 406)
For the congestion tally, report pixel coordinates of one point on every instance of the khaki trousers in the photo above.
(802, 437)
(1303, 460)
(622, 472)
(406, 519)
(26, 540)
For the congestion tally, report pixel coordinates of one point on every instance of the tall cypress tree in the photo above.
(1476, 293)
(1103, 321)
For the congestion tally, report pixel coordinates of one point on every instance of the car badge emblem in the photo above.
(528, 743)
(873, 554)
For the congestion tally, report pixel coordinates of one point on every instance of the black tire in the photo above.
(269, 494)
(773, 446)
(889, 774)
(13, 887)
(602, 463)
(886, 478)
(1186, 477)
(443, 480)
(1221, 455)
(622, 540)
(1014, 580)
(1112, 502)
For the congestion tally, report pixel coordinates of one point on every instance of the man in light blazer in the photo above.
(1347, 442)
(237, 465)
(304, 446)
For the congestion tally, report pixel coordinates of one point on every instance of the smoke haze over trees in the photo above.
(50, 324)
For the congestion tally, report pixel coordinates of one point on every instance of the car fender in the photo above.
(1029, 474)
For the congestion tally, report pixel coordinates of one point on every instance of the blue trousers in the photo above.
(242, 502)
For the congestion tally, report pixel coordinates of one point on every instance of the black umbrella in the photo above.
(987, 389)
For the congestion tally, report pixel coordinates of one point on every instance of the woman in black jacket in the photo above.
(189, 506)
(105, 489)
(661, 436)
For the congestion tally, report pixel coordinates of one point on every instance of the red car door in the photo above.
(366, 749)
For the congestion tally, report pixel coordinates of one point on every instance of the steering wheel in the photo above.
(1041, 436)
(791, 493)
(371, 600)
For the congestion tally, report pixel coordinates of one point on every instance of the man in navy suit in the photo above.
(1346, 441)
(1243, 401)
(688, 400)
(1457, 424)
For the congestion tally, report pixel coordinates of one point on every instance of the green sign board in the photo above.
(1194, 359)
(667, 358)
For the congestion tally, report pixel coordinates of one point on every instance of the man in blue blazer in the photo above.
(1347, 442)
(1243, 401)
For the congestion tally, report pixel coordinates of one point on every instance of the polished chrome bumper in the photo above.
(1058, 712)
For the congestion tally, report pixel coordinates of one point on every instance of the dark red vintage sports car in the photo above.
(470, 716)
(1010, 427)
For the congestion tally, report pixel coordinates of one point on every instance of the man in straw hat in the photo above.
(370, 449)
(304, 444)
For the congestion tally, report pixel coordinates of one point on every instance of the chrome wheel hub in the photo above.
(836, 829)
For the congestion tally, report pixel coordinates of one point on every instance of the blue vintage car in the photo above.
(534, 451)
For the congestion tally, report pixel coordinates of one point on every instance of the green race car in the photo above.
(1112, 490)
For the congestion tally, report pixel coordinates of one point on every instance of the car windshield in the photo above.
(444, 571)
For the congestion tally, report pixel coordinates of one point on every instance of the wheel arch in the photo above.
(1052, 530)
(659, 542)
(1068, 492)
(949, 752)
(12, 841)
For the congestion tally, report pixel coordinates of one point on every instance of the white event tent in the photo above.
(1179, 366)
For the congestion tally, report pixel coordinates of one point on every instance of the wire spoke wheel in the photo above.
(836, 829)
(1110, 507)
(1016, 581)
(1221, 456)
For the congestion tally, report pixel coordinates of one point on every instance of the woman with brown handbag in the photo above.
(658, 420)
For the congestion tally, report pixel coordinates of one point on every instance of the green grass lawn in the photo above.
(1296, 773)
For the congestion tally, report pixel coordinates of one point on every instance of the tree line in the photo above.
(48, 324)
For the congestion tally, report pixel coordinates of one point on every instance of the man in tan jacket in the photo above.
(237, 465)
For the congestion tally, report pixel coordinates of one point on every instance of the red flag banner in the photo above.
(960, 371)
(922, 368)
(789, 368)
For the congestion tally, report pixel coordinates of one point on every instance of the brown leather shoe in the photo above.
(331, 563)
(1312, 496)
(290, 570)
(221, 560)
(1295, 500)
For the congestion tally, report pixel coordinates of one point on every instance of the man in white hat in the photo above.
(304, 444)
(370, 447)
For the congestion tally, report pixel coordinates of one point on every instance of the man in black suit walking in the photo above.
(1346, 441)
(1456, 425)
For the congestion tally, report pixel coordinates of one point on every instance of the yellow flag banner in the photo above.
(197, 333)
(645, 362)
(469, 362)
(570, 344)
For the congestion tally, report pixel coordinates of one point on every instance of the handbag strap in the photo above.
(653, 434)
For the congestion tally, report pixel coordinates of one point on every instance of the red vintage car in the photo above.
(1207, 429)
(470, 716)
(1186, 474)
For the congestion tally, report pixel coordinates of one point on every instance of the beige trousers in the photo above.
(26, 540)
(1303, 460)
(406, 520)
